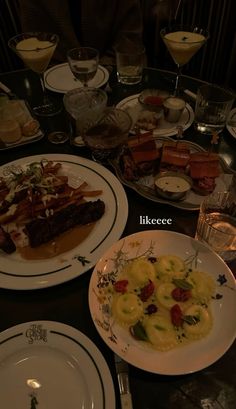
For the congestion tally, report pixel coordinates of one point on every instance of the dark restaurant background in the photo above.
(215, 62)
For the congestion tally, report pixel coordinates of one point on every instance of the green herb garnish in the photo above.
(191, 319)
(160, 328)
(138, 332)
(181, 283)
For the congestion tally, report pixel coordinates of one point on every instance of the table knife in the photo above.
(191, 94)
(122, 371)
(7, 91)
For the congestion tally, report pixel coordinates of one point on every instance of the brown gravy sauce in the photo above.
(65, 242)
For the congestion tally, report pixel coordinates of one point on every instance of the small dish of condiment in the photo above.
(173, 108)
(172, 185)
(152, 99)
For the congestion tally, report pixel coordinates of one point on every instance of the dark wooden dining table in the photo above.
(211, 388)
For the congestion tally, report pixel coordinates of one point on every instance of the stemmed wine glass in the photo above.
(182, 44)
(36, 50)
(83, 62)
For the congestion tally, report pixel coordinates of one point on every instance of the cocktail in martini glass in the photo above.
(36, 50)
(182, 44)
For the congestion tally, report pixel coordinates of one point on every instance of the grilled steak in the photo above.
(40, 231)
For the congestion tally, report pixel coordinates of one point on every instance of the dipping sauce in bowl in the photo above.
(152, 99)
(173, 108)
(172, 185)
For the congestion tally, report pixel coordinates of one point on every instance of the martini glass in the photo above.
(83, 62)
(36, 50)
(182, 44)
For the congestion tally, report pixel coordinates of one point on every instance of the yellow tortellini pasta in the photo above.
(127, 308)
(163, 303)
(163, 294)
(160, 332)
(203, 322)
(142, 270)
(169, 266)
(203, 285)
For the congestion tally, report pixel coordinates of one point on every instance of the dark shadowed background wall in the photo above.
(215, 62)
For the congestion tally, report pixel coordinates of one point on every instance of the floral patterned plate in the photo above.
(191, 357)
(21, 274)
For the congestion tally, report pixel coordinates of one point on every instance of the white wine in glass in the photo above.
(36, 50)
(83, 62)
(182, 44)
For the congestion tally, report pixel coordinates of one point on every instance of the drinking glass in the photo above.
(107, 137)
(85, 107)
(36, 50)
(130, 58)
(217, 224)
(83, 62)
(213, 105)
(182, 44)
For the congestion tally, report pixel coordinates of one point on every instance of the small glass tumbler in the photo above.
(83, 62)
(217, 224)
(109, 135)
(130, 59)
(212, 108)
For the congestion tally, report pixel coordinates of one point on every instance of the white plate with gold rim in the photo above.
(59, 78)
(50, 364)
(181, 360)
(132, 105)
(21, 274)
